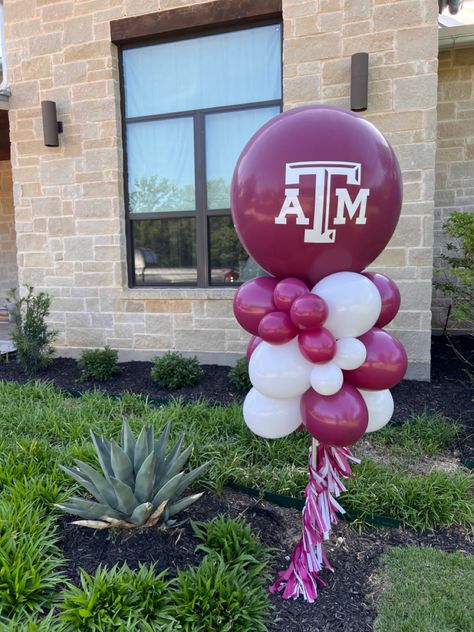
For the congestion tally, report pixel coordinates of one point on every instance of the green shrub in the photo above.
(231, 539)
(30, 333)
(239, 375)
(98, 364)
(118, 599)
(216, 597)
(173, 370)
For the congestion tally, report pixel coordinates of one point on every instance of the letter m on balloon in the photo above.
(322, 230)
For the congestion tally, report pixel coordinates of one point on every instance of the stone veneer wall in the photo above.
(69, 200)
(8, 267)
(455, 153)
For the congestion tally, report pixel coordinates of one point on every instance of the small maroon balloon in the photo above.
(252, 301)
(252, 345)
(385, 365)
(316, 190)
(287, 291)
(337, 420)
(317, 345)
(309, 311)
(277, 328)
(390, 295)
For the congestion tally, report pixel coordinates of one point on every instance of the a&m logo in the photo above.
(347, 208)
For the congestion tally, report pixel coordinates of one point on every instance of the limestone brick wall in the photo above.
(69, 200)
(455, 154)
(8, 267)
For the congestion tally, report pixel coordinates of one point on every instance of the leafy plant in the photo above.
(239, 375)
(216, 597)
(232, 539)
(173, 370)
(31, 334)
(119, 599)
(139, 485)
(98, 364)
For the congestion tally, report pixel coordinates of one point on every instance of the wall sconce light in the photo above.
(359, 81)
(51, 126)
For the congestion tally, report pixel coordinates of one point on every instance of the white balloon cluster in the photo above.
(280, 374)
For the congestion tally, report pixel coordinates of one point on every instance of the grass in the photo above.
(40, 428)
(426, 591)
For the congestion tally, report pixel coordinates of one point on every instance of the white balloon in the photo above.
(380, 407)
(269, 417)
(350, 353)
(353, 302)
(280, 371)
(326, 378)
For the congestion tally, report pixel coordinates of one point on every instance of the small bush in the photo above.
(216, 597)
(30, 333)
(118, 599)
(231, 539)
(98, 364)
(173, 370)
(239, 375)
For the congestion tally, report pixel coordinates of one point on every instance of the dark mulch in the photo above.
(449, 390)
(346, 604)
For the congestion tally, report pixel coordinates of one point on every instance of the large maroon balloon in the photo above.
(287, 291)
(385, 365)
(337, 420)
(309, 311)
(390, 295)
(252, 301)
(316, 190)
(252, 345)
(277, 328)
(317, 345)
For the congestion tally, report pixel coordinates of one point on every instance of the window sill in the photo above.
(193, 293)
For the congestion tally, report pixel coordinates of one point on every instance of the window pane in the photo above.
(160, 156)
(227, 256)
(226, 136)
(165, 251)
(214, 70)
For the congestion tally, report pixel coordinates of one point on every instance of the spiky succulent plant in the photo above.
(140, 483)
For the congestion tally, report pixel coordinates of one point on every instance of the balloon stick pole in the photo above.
(314, 453)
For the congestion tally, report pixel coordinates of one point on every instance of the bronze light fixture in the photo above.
(359, 81)
(51, 126)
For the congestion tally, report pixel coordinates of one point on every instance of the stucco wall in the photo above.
(455, 153)
(8, 267)
(69, 200)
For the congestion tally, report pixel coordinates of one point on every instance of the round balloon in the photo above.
(252, 345)
(279, 371)
(286, 291)
(380, 406)
(271, 418)
(317, 345)
(252, 301)
(353, 302)
(390, 295)
(350, 353)
(277, 327)
(385, 365)
(316, 190)
(309, 311)
(337, 420)
(326, 378)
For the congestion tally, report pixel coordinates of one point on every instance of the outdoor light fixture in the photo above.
(359, 81)
(51, 126)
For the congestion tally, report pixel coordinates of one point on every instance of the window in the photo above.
(190, 107)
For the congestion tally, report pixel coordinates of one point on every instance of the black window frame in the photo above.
(201, 213)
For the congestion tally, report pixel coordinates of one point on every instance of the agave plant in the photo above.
(139, 486)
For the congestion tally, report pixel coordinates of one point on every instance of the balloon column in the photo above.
(316, 196)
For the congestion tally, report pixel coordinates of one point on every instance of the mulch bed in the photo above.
(449, 390)
(346, 604)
